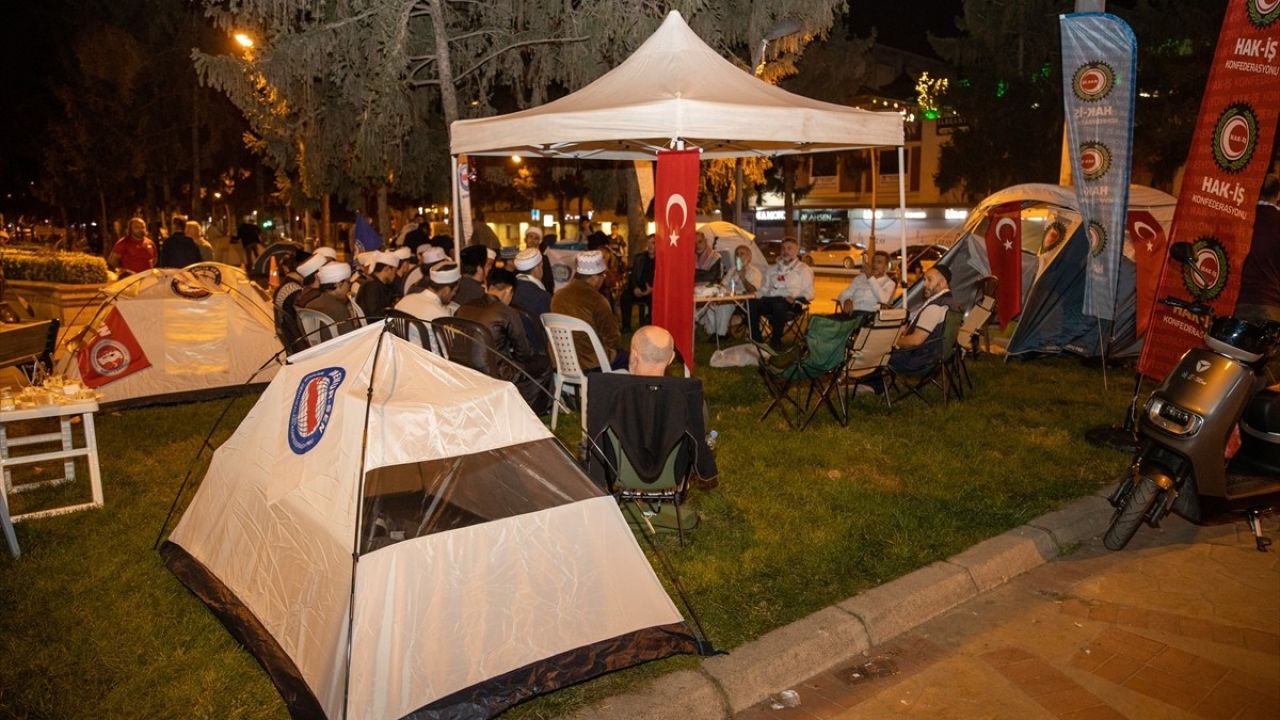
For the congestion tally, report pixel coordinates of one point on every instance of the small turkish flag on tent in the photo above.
(674, 208)
(112, 353)
(1004, 253)
(1149, 243)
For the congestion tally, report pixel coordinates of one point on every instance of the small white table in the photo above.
(704, 303)
(67, 452)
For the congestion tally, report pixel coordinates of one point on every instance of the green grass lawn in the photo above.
(92, 625)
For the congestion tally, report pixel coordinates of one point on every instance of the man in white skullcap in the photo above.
(334, 299)
(378, 294)
(407, 263)
(581, 298)
(428, 255)
(327, 252)
(531, 297)
(431, 299)
(297, 281)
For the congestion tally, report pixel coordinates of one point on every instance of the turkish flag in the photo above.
(674, 208)
(1149, 245)
(112, 353)
(1004, 253)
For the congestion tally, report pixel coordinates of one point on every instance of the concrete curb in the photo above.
(729, 684)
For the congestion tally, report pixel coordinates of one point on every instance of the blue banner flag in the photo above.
(1099, 74)
(365, 237)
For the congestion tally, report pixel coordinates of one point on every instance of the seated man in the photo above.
(507, 328)
(869, 291)
(297, 281)
(471, 286)
(706, 260)
(334, 299)
(378, 293)
(432, 295)
(531, 297)
(742, 279)
(581, 298)
(650, 414)
(788, 282)
(428, 256)
(914, 351)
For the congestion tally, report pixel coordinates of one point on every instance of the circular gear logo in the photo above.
(1097, 238)
(1208, 278)
(109, 357)
(1263, 12)
(1095, 160)
(1093, 81)
(1053, 236)
(313, 407)
(1235, 135)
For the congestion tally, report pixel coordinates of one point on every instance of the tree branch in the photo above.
(464, 36)
(479, 64)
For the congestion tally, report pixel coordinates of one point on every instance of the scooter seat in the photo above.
(1262, 414)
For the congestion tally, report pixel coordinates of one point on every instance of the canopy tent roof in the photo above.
(675, 87)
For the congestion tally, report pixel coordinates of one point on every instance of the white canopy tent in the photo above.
(675, 91)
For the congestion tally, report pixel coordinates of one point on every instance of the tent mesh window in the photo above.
(402, 502)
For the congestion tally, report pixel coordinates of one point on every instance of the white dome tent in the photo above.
(166, 335)
(394, 535)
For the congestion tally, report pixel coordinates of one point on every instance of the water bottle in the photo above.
(712, 438)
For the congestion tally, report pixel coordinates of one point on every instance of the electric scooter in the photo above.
(1182, 463)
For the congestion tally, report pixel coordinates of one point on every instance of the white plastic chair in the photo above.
(569, 375)
(316, 326)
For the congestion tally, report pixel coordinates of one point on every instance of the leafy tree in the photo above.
(1009, 90)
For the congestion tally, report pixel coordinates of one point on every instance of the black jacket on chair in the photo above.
(650, 416)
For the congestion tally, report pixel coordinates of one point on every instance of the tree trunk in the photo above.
(789, 196)
(107, 240)
(635, 210)
(444, 63)
(324, 220)
(384, 213)
(195, 150)
(739, 191)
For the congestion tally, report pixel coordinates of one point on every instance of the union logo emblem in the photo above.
(1235, 135)
(1263, 12)
(1095, 160)
(1208, 278)
(312, 406)
(1097, 238)
(109, 357)
(1093, 81)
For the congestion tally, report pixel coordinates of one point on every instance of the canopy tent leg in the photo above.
(455, 209)
(902, 223)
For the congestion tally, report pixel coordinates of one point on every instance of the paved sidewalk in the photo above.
(1185, 623)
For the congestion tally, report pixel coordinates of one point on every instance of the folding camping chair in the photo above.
(969, 336)
(870, 351)
(570, 377)
(651, 468)
(940, 371)
(821, 362)
(796, 326)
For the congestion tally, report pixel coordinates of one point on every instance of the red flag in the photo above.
(1149, 246)
(112, 353)
(1004, 253)
(1230, 152)
(675, 205)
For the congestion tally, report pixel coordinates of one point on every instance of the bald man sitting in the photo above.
(652, 350)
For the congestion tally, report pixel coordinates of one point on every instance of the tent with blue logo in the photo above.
(1053, 273)
(392, 535)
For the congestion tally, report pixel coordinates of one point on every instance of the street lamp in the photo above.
(243, 40)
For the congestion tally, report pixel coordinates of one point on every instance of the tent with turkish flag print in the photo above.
(1053, 250)
(168, 335)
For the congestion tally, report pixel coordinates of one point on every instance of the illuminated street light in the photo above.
(243, 40)
(516, 159)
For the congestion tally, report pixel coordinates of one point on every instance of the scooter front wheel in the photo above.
(1130, 514)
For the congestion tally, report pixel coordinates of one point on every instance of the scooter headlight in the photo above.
(1173, 419)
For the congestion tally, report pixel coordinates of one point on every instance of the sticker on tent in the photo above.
(312, 405)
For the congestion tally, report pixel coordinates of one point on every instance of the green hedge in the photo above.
(41, 265)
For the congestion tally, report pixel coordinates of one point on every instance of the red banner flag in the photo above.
(1218, 201)
(674, 208)
(112, 353)
(1149, 248)
(1004, 253)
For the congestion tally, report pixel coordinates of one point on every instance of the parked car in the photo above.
(842, 254)
(919, 259)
